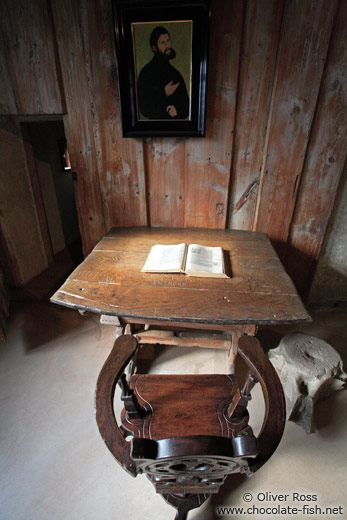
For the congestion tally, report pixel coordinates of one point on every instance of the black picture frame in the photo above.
(130, 14)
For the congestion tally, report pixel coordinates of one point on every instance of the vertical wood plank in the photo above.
(208, 160)
(37, 193)
(165, 166)
(324, 162)
(7, 100)
(30, 55)
(120, 161)
(305, 38)
(258, 61)
(19, 221)
(78, 122)
(122, 179)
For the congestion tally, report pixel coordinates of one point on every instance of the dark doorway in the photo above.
(53, 189)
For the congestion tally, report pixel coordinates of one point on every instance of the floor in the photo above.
(54, 465)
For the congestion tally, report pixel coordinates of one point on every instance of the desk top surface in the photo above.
(110, 281)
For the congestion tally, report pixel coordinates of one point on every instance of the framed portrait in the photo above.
(162, 51)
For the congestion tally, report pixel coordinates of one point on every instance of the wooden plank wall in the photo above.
(324, 161)
(28, 50)
(275, 140)
(20, 233)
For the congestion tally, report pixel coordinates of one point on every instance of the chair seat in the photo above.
(181, 405)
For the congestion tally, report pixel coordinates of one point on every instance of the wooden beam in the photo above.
(154, 337)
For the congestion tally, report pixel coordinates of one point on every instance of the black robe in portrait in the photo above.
(151, 94)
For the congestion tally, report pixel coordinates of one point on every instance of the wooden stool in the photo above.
(188, 432)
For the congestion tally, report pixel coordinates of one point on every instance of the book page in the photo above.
(205, 259)
(165, 258)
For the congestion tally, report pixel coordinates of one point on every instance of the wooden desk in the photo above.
(109, 281)
(186, 459)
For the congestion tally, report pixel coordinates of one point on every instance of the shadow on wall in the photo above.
(330, 281)
(319, 284)
(299, 266)
(329, 288)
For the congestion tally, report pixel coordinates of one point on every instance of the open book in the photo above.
(192, 259)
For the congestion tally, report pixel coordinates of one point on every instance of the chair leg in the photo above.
(184, 504)
(181, 515)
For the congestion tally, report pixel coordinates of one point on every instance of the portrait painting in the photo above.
(163, 67)
(162, 52)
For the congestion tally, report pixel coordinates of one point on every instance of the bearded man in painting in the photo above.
(161, 90)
